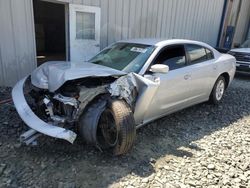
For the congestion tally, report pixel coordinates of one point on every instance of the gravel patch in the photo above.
(202, 146)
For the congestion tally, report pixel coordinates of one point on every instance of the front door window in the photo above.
(173, 56)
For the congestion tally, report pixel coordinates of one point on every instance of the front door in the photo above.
(173, 93)
(84, 24)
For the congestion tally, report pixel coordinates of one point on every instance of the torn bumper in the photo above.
(34, 122)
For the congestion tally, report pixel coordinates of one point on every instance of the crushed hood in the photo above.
(52, 75)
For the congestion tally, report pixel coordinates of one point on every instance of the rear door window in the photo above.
(196, 53)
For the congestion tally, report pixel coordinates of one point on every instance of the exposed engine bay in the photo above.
(64, 106)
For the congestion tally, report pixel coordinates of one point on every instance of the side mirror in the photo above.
(159, 68)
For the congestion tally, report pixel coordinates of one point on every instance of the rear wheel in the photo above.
(218, 90)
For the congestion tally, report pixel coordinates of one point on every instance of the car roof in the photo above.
(163, 42)
(146, 41)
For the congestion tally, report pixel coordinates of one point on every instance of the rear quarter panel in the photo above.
(226, 63)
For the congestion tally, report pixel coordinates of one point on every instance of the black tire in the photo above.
(214, 99)
(112, 127)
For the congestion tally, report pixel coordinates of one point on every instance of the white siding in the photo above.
(243, 23)
(17, 41)
(120, 19)
(190, 19)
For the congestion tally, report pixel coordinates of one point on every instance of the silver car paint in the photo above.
(33, 121)
(176, 93)
(52, 75)
(158, 94)
(146, 89)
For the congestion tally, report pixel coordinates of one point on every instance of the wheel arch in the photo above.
(226, 77)
(91, 131)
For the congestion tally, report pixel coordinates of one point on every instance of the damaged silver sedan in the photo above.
(125, 86)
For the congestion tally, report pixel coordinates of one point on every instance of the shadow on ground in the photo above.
(56, 161)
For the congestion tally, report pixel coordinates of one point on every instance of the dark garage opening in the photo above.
(50, 31)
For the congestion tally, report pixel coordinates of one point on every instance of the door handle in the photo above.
(97, 45)
(187, 76)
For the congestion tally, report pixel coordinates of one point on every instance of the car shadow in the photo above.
(242, 76)
(167, 138)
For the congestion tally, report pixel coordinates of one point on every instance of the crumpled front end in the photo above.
(58, 113)
(137, 91)
(35, 122)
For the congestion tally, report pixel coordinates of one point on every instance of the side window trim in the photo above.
(207, 49)
(188, 55)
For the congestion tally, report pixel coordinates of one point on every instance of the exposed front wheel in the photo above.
(111, 127)
(218, 90)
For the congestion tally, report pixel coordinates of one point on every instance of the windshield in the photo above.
(125, 57)
(246, 44)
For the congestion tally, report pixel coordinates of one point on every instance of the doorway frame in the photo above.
(66, 17)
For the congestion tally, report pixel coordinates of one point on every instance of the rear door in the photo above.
(84, 24)
(202, 67)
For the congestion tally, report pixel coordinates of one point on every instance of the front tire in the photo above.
(125, 125)
(111, 128)
(218, 90)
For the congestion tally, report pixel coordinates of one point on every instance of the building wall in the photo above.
(191, 19)
(17, 44)
(248, 35)
(243, 22)
(120, 19)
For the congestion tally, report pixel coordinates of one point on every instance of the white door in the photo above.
(84, 23)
